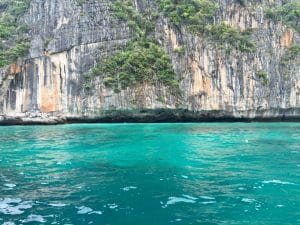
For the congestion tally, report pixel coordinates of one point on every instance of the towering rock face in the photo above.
(69, 38)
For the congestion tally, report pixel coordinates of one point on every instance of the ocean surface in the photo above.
(150, 174)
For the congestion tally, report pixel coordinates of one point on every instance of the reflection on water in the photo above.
(150, 174)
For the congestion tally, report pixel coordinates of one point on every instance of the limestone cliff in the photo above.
(68, 38)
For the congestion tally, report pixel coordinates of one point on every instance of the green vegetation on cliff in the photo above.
(13, 40)
(141, 24)
(288, 13)
(198, 15)
(141, 62)
(230, 38)
(263, 76)
(8, 56)
(290, 58)
(292, 53)
(195, 14)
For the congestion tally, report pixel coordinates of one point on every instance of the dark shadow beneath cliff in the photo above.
(184, 116)
(162, 116)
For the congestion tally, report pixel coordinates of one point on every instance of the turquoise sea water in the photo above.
(150, 174)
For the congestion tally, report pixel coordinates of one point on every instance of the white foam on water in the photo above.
(207, 197)
(25, 205)
(97, 212)
(248, 200)
(257, 206)
(258, 187)
(277, 182)
(10, 185)
(11, 200)
(8, 223)
(13, 206)
(190, 197)
(241, 188)
(64, 163)
(174, 200)
(112, 206)
(57, 204)
(279, 206)
(129, 188)
(11, 211)
(34, 218)
(208, 202)
(87, 210)
(84, 210)
(185, 177)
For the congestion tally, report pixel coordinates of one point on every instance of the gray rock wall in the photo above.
(69, 39)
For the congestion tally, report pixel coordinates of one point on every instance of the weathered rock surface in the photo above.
(68, 39)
